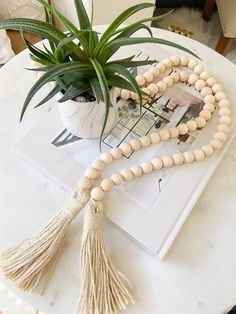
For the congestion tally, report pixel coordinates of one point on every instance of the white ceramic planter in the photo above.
(85, 120)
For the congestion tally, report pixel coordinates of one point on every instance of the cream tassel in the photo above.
(104, 290)
(25, 263)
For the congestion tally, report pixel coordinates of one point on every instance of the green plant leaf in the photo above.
(53, 92)
(83, 18)
(130, 30)
(73, 91)
(43, 62)
(96, 89)
(129, 64)
(118, 81)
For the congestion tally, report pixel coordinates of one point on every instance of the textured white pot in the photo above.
(85, 120)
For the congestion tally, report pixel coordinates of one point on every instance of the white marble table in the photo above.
(198, 275)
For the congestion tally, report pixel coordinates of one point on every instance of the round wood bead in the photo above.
(225, 111)
(107, 185)
(168, 80)
(90, 173)
(137, 170)
(192, 63)
(178, 158)
(183, 128)
(205, 114)
(125, 94)
(155, 71)
(188, 157)
(200, 84)
(184, 61)
(175, 76)
(99, 165)
(175, 60)
(208, 149)
(219, 96)
(220, 136)
(198, 69)
(174, 132)
(161, 67)
(224, 103)
(164, 135)
(192, 125)
(156, 163)
(97, 194)
(211, 81)
(206, 91)
(167, 161)
(117, 91)
(107, 158)
(225, 120)
(198, 154)
(216, 144)
(223, 128)
(217, 88)
(85, 183)
(193, 79)
(134, 96)
(183, 76)
(135, 144)
(140, 80)
(145, 141)
(116, 153)
(208, 106)
(127, 175)
(162, 86)
(154, 137)
(117, 179)
(153, 88)
(204, 75)
(147, 167)
(125, 148)
(201, 122)
(148, 77)
(167, 62)
(209, 98)
(147, 91)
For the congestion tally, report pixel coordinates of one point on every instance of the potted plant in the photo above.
(79, 64)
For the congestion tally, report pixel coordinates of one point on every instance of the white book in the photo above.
(153, 208)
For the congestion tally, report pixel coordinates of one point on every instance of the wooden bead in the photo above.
(125, 94)
(127, 175)
(188, 157)
(116, 153)
(153, 89)
(97, 194)
(164, 135)
(135, 144)
(154, 137)
(178, 158)
(192, 63)
(225, 120)
(205, 114)
(155, 71)
(168, 80)
(107, 158)
(117, 179)
(219, 96)
(217, 88)
(134, 96)
(137, 170)
(140, 80)
(167, 161)
(183, 128)
(224, 103)
(200, 84)
(174, 132)
(107, 185)
(198, 154)
(225, 111)
(85, 183)
(162, 86)
(91, 173)
(193, 79)
(220, 136)
(216, 144)
(198, 69)
(209, 98)
(175, 76)
(126, 148)
(167, 62)
(175, 60)
(147, 167)
(146, 91)
(201, 122)
(117, 91)
(161, 67)
(157, 163)
(206, 91)
(208, 106)
(208, 149)
(99, 165)
(184, 61)
(211, 81)
(183, 76)
(204, 75)
(192, 125)
(148, 77)
(223, 128)
(145, 141)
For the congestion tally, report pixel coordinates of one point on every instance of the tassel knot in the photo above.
(93, 215)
